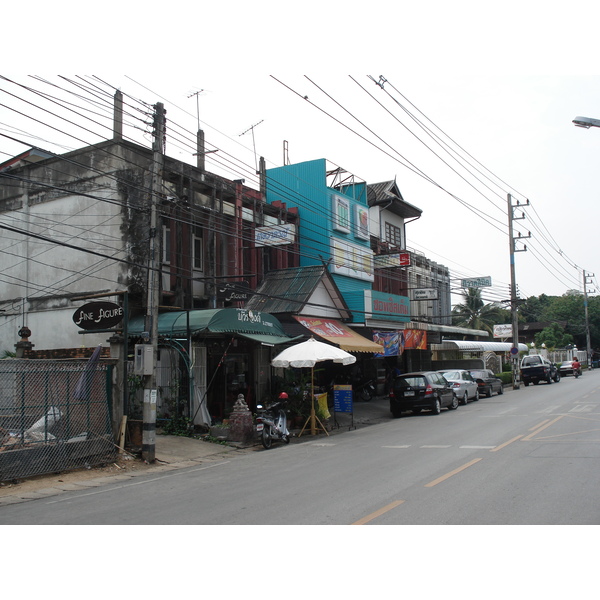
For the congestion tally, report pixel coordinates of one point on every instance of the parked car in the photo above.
(535, 368)
(421, 390)
(488, 383)
(465, 388)
(566, 368)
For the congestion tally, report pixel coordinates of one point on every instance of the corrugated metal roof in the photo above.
(475, 346)
(289, 290)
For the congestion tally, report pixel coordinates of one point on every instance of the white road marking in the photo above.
(478, 447)
(436, 446)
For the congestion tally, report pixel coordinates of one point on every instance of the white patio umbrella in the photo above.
(308, 354)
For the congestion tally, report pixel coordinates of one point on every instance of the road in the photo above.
(529, 456)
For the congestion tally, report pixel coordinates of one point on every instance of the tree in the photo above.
(554, 337)
(532, 310)
(568, 308)
(475, 314)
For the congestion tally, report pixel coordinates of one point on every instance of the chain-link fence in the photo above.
(54, 416)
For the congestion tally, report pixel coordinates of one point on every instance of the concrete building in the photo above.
(78, 228)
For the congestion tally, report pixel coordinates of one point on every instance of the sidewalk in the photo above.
(176, 452)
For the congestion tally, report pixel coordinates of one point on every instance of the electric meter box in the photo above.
(143, 363)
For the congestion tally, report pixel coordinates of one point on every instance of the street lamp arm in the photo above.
(586, 122)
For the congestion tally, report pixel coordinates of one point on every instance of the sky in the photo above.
(499, 87)
(503, 80)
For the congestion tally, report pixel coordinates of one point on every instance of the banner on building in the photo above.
(396, 342)
(415, 339)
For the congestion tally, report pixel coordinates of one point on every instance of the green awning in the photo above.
(258, 326)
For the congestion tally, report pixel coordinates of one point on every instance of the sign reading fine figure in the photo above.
(98, 315)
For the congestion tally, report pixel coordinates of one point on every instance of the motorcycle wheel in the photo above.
(286, 439)
(266, 438)
(365, 395)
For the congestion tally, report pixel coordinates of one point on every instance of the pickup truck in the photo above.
(535, 368)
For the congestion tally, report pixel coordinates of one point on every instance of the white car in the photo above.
(465, 388)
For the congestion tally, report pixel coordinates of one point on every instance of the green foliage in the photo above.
(568, 309)
(532, 310)
(505, 376)
(135, 383)
(181, 426)
(8, 354)
(554, 337)
(473, 313)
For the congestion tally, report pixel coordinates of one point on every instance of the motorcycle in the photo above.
(577, 373)
(271, 422)
(364, 391)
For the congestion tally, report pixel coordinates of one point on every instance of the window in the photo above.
(393, 235)
(198, 249)
(166, 244)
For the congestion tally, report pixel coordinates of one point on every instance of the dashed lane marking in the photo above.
(378, 513)
(477, 447)
(449, 446)
(452, 473)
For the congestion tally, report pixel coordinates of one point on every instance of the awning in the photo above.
(475, 346)
(257, 326)
(434, 327)
(337, 333)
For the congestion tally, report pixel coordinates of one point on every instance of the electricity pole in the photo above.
(587, 320)
(514, 301)
(152, 301)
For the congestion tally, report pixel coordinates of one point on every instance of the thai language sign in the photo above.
(274, 236)
(476, 282)
(389, 306)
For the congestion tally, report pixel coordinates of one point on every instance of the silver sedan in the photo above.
(465, 388)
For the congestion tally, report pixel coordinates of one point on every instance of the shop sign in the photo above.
(276, 235)
(342, 398)
(387, 261)
(425, 294)
(238, 291)
(475, 282)
(98, 315)
(351, 260)
(389, 306)
(503, 331)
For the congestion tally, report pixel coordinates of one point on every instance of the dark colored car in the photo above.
(426, 390)
(488, 383)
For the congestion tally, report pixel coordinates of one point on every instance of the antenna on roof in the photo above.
(197, 94)
(251, 128)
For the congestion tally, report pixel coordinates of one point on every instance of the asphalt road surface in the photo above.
(530, 456)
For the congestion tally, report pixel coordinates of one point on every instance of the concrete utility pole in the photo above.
(514, 301)
(588, 342)
(152, 302)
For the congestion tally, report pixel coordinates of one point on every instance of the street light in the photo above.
(586, 122)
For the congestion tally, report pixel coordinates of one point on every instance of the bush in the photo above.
(506, 377)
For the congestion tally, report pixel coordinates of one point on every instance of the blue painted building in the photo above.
(333, 224)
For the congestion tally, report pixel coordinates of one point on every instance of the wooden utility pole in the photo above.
(153, 292)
